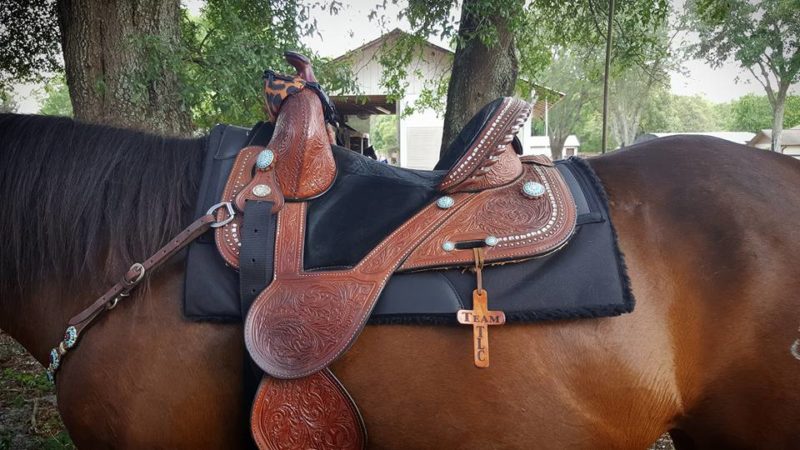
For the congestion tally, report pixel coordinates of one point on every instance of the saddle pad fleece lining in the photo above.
(586, 278)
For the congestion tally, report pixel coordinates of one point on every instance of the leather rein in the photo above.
(132, 278)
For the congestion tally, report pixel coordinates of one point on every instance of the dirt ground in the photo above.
(28, 415)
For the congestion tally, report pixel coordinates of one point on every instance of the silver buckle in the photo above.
(231, 214)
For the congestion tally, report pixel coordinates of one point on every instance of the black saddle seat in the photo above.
(370, 199)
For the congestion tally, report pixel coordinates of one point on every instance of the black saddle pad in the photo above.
(586, 278)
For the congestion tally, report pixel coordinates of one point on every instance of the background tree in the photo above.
(753, 113)
(111, 71)
(56, 100)
(577, 72)
(522, 35)
(227, 48)
(7, 103)
(485, 64)
(29, 41)
(761, 35)
(634, 86)
(383, 133)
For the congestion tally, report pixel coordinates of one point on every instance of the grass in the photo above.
(29, 416)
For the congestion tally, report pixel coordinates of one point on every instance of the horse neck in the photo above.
(128, 193)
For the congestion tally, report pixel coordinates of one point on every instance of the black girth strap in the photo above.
(257, 252)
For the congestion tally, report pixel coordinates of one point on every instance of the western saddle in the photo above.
(510, 208)
(491, 206)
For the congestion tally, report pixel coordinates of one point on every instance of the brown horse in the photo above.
(710, 234)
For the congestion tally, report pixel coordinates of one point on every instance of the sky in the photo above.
(351, 28)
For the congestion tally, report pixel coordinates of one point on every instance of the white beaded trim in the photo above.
(509, 241)
(462, 167)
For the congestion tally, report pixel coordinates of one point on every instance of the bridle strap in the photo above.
(131, 279)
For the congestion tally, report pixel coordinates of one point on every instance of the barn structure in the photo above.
(419, 133)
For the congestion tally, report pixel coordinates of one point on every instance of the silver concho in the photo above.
(448, 246)
(445, 202)
(261, 190)
(491, 241)
(264, 159)
(532, 189)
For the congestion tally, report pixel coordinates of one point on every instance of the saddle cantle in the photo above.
(514, 208)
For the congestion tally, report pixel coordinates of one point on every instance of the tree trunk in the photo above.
(557, 146)
(113, 79)
(777, 118)
(480, 74)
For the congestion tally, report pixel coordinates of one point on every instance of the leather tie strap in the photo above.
(130, 280)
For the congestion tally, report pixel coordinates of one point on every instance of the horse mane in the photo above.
(82, 202)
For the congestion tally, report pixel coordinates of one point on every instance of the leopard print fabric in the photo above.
(277, 88)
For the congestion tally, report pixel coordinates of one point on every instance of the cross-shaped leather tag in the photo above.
(480, 317)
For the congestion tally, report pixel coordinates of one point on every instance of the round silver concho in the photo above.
(448, 246)
(491, 241)
(264, 159)
(445, 202)
(261, 190)
(532, 189)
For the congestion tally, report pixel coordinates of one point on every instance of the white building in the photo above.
(790, 141)
(420, 133)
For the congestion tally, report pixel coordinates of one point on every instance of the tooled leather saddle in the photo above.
(512, 208)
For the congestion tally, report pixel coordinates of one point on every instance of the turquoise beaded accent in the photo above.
(70, 337)
(533, 189)
(445, 202)
(264, 159)
(448, 246)
(55, 360)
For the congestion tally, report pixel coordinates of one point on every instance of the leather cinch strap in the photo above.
(130, 280)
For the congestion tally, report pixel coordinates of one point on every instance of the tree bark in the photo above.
(112, 77)
(778, 109)
(557, 147)
(480, 74)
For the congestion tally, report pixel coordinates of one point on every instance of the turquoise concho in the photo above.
(55, 360)
(70, 337)
(533, 189)
(445, 202)
(265, 159)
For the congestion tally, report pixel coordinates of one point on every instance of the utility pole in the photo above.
(605, 78)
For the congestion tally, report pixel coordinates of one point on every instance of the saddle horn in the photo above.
(302, 64)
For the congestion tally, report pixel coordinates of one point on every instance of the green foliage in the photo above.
(762, 35)
(753, 113)
(227, 48)
(537, 27)
(29, 40)
(573, 70)
(755, 33)
(56, 100)
(383, 133)
(7, 102)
